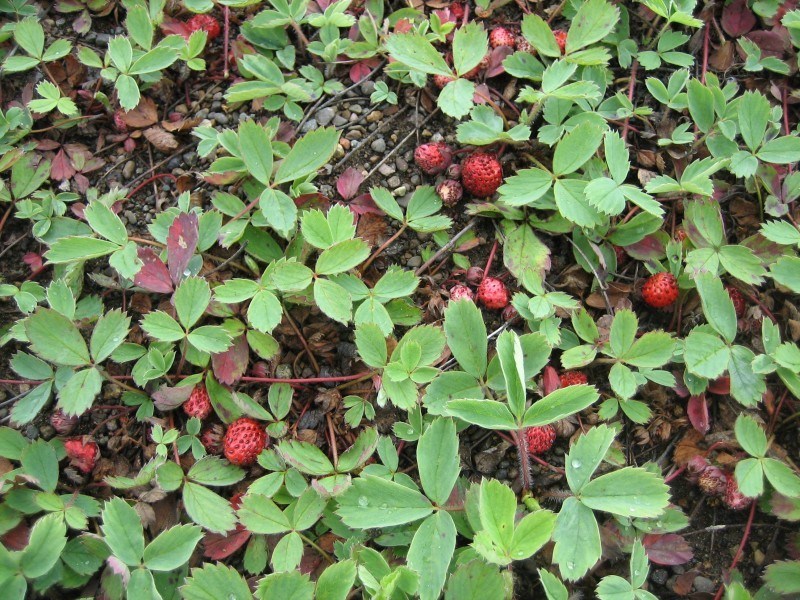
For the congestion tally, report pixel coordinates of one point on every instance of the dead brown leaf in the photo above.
(181, 124)
(371, 228)
(162, 140)
(144, 115)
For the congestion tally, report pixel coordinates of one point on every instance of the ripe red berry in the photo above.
(244, 441)
(493, 294)
(199, 404)
(450, 191)
(660, 290)
(211, 438)
(500, 36)
(433, 158)
(458, 292)
(82, 453)
(523, 45)
(561, 39)
(733, 498)
(442, 80)
(481, 174)
(540, 439)
(205, 22)
(739, 303)
(568, 378)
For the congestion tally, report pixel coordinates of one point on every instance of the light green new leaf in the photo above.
(104, 222)
(586, 454)
(109, 332)
(430, 553)
(753, 114)
(307, 155)
(717, 305)
(594, 20)
(39, 461)
(78, 248)
(265, 311)
(342, 257)
(623, 332)
(538, 33)
(706, 355)
(560, 404)
(191, 300)
(161, 326)
(123, 531)
(526, 187)
(172, 547)
(336, 581)
(531, 533)
(371, 344)
(208, 509)
(260, 514)
(751, 436)
(214, 581)
(781, 151)
(78, 395)
(455, 99)
(782, 477)
(46, 540)
(256, 151)
(56, 339)
(750, 477)
(333, 300)
(497, 508)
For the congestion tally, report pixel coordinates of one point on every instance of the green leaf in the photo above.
(751, 436)
(586, 454)
(374, 502)
(786, 272)
(333, 300)
(531, 533)
(578, 146)
(781, 151)
(526, 187)
(104, 222)
(560, 404)
(123, 531)
(783, 576)
(540, 36)
(109, 332)
(74, 248)
(139, 26)
(46, 541)
(191, 299)
(717, 305)
(310, 153)
(157, 59)
(40, 463)
(553, 588)
(654, 349)
(525, 255)
(265, 311)
(431, 551)
(470, 44)
(577, 539)
(456, 98)
(214, 581)
(212, 470)
(630, 492)
(279, 210)
(336, 581)
(56, 339)
(342, 257)
(488, 414)
(701, 105)
(208, 509)
(572, 203)
(594, 20)
(466, 336)
(416, 52)
(497, 508)
(260, 514)
(623, 332)
(12, 444)
(292, 585)
(78, 395)
(386, 202)
(305, 457)
(256, 151)
(210, 338)
(291, 276)
(509, 352)
(706, 355)
(782, 478)
(127, 91)
(438, 460)
(161, 326)
(395, 283)
(142, 585)
(371, 344)
(753, 114)
(172, 548)
(750, 477)
(29, 34)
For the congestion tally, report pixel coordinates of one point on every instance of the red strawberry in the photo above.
(540, 439)
(500, 36)
(442, 80)
(211, 438)
(481, 174)
(568, 378)
(660, 290)
(244, 441)
(433, 158)
(733, 498)
(62, 423)
(739, 303)
(561, 39)
(493, 294)
(523, 45)
(82, 453)
(199, 404)
(458, 292)
(205, 22)
(450, 191)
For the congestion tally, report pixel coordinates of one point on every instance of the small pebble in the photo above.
(325, 116)
(704, 584)
(386, 169)
(128, 169)
(378, 145)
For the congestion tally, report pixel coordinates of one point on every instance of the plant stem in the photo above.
(314, 545)
(739, 551)
(524, 460)
(383, 247)
(446, 247)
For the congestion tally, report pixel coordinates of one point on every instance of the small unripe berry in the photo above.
(458, 292)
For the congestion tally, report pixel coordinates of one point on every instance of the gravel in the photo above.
(325, 116)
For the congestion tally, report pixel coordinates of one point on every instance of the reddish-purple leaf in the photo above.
(348, 182)
(61, 169)
(221, 546)
(153, 276)
(737, 18)
(496, 59)
(720, 386)
(650, 247)
(364, 204)
(181, 244)
(771, 43)
(550, 380)
(229, 366)
(669, 549)
(168, 398)
(697, 411)
(17, 538)
(362, 68)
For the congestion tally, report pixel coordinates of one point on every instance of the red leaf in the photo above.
(668, 549)
(550, 380)
(173, 26)
(737, 18)
(229, 366)
(153, 276)
(181, 244)
(17, 538)
(221, 546)
(697, 411)
(348, 182)
(364, 204)
(61, 168)
(496, 59)
(362, 68)
(771, 43)
(720, 386)
(33, 260)
(649, 247)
